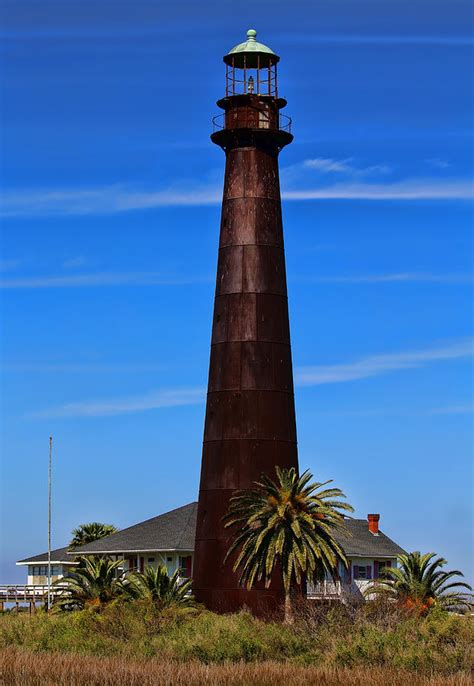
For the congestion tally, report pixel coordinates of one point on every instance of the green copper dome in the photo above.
(251, 48)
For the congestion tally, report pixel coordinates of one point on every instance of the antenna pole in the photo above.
(49, 518)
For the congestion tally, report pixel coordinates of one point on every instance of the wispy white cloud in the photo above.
(405, 411)
(438, 163)
(304, 376)
(110, 279)
(116, 406)
(410, 189)
(75, 262)
(78, 367)
(116, 199)
(327, 165)
(346, 166)
(376, 365)
(453, 409)
(105, 200)
(400, 277)
(102, 279)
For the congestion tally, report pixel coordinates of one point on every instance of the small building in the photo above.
(61, 562)
(168, 539)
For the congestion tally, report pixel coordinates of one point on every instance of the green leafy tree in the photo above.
(94, 582)
(87, 533)
(156, 585)
(290, 522)
(419, 583)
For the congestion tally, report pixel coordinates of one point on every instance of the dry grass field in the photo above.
(136, 643)
(31, 669)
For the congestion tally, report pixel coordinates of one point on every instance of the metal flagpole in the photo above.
(49, 519)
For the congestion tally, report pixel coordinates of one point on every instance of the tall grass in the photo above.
(371, 638)
(27, 669)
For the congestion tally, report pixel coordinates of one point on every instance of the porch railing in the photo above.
(335, 590)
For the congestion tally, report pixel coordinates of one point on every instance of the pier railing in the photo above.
(25, 593)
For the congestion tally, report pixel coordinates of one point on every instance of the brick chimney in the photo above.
(373, 520)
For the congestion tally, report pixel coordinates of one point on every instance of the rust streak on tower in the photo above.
(250, 415)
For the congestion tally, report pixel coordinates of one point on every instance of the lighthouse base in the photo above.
(263, 603)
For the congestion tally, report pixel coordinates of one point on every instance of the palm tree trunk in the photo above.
(289, 619)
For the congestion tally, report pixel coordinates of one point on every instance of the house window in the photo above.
(42, 570)
(169, 559)
(151, 559)
(362, 571)
(383, 564)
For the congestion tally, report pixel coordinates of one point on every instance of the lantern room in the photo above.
(251, 103)
(251, 68)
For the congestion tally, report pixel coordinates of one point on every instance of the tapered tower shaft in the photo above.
(250, 415)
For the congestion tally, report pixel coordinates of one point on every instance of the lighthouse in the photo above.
(250, 422)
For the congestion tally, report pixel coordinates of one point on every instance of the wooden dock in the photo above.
(23, 594)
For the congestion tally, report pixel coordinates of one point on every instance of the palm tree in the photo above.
(290, 521)
(419, 583)
(87, 533)
(94, 582)
(156, 585)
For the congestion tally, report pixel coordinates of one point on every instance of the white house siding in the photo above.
(170, 559)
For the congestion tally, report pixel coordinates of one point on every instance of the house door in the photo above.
(185, 564)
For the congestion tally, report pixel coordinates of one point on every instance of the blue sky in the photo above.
(110, 219)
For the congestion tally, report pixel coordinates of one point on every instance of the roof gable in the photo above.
(173, 530)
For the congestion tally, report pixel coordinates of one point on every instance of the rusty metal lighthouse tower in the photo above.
(250, 415)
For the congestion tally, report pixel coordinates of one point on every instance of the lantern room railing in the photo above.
(249, 121)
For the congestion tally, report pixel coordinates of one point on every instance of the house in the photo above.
(168, 539)
(368, 549)
(37, 565)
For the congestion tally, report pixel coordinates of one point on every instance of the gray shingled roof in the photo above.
(58, 555)
(173, 530)
(363, 543)
(176, 530)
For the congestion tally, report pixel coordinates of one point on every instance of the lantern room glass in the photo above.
(251, 74)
